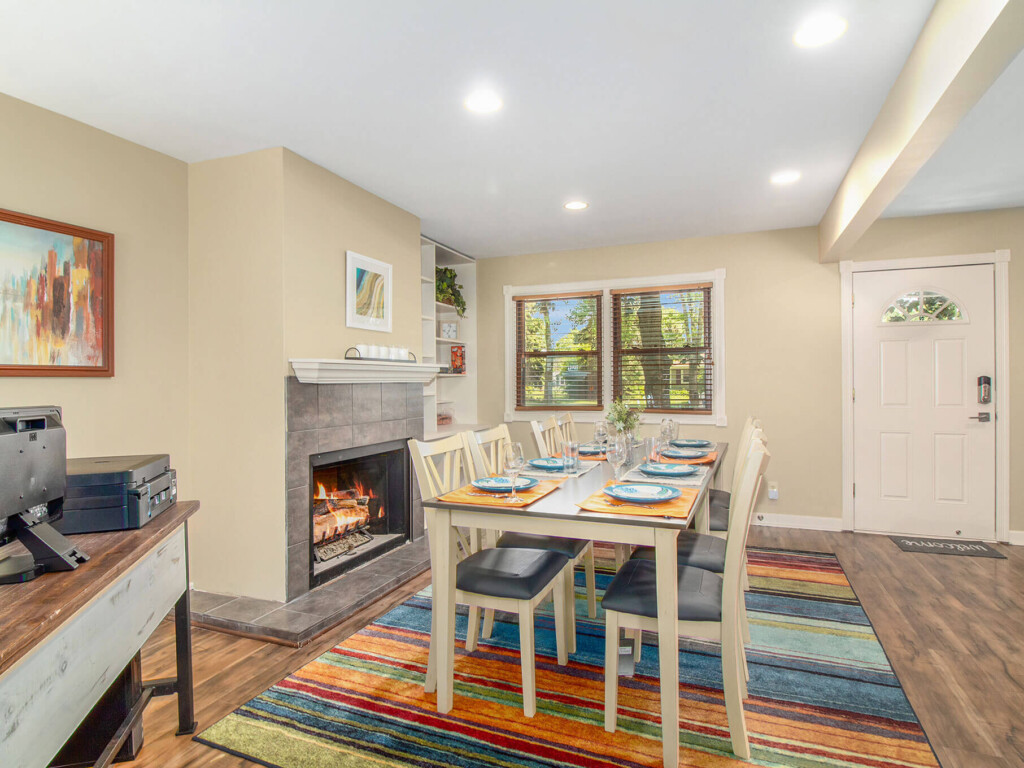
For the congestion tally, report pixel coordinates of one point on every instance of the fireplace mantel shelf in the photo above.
(322, 371)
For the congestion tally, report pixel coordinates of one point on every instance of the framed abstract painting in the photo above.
(368, 293)
(56, 298)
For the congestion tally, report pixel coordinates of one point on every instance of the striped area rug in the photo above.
(822, 693)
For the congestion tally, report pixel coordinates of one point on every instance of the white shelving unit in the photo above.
(457, 391)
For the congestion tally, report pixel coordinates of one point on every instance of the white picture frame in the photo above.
(367, 293)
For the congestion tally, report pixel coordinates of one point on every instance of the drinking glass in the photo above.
(514, 463)
(617, 450)
(601, 433)
(668, 427)
(650, 450)
(571, 457)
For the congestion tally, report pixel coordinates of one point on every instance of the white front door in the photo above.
(924, 463)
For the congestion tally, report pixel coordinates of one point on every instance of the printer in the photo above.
(117, 493)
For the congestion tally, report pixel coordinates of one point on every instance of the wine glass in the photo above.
(601, 433)
(514, 463)
(667, 429)
(617, 450)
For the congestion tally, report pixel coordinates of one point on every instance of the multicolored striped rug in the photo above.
(822, 693)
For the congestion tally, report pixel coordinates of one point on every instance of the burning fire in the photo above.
(341, 511)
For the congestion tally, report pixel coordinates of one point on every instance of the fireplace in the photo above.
(360, 502)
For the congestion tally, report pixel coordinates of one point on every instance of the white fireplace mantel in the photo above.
(318, 371)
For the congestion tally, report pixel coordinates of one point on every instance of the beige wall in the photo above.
(325, 216)
(61, 169)
(236, 397)
(782, 332)
(268, 233)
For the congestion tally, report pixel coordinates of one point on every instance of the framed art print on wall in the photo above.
(367, 293)
(56, 298)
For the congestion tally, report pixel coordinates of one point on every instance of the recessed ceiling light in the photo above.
(785, 177)
(576, 205)
(483, 100)
(819, 30)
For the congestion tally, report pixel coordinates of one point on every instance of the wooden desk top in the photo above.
(562, 503)
(31, 611)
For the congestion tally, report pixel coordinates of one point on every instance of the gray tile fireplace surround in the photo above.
(328, 417)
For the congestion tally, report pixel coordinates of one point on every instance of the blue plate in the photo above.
(591, 450)
(504, 484)
(691, 443)
(668, 470)
(684, 453)
(551, 465)
(642, 493)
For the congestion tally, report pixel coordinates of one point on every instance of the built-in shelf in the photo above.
(441, 307)
(426, 317)
(449, 341)
(450, 375)
(426, 279)
(443, 430)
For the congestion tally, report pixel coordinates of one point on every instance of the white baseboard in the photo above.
(806, 522)
(1016, 537)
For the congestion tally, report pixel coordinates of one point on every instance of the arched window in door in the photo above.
(923, 306)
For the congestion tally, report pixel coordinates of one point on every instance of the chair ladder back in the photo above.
(744, 497)
(548, 436)
(741, 448)
(486, 448)
(441, 465)
(567, 428)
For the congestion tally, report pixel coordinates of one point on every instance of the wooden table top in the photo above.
(561, 503)
(31, 611)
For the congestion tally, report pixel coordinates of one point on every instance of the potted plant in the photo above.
(623, 418)
(447, 289)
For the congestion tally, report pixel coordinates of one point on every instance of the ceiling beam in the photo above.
(963, 48)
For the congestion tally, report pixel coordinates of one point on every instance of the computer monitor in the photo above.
(33, 477)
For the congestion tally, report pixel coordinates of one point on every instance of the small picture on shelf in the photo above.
(448, 330)
(458, 358)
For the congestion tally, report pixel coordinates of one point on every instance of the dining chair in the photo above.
(567, 426)
(708, 608)
(718, 500)
(702, 550)
(513, 580)
(547, 435)
(486, 447)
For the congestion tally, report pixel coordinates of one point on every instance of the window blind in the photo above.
(661, 348)
(558, 352)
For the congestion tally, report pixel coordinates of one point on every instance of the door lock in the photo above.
(982, 417)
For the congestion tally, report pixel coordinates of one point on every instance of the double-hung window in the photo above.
(558, 351)
(656, 343)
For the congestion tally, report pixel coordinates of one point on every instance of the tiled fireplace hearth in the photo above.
(327, 423)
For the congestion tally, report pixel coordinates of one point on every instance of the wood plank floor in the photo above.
(953, 628)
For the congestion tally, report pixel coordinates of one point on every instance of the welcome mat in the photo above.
(822, 692)
(946, 547)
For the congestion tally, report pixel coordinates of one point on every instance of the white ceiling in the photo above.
(667, 116)
(979, 167)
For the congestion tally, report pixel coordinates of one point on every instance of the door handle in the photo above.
(982, 417)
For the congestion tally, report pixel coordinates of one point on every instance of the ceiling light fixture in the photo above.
(576, 205)
(483, 100)
(820, 30)
(785, 177)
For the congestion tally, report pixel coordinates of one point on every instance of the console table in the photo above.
(66, 637)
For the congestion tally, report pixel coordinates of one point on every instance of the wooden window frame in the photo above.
(705, 350)
(521, 355)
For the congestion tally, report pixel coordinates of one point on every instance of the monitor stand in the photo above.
(49, 551)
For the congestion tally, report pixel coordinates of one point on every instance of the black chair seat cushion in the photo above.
(516, 573)
(695, 549)
(718, 519)
(571, 548)
(717, 498)
(634, 590)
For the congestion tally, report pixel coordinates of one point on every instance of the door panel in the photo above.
(921, 339)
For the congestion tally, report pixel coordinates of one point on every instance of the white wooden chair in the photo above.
(708, 605)
(547, 435)
(567, 426)
(717, 519)
(513, 580)
(486, 448)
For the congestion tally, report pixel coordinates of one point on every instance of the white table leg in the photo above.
(442, 573)
(666, 563)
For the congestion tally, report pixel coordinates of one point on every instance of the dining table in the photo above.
(558, 514)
